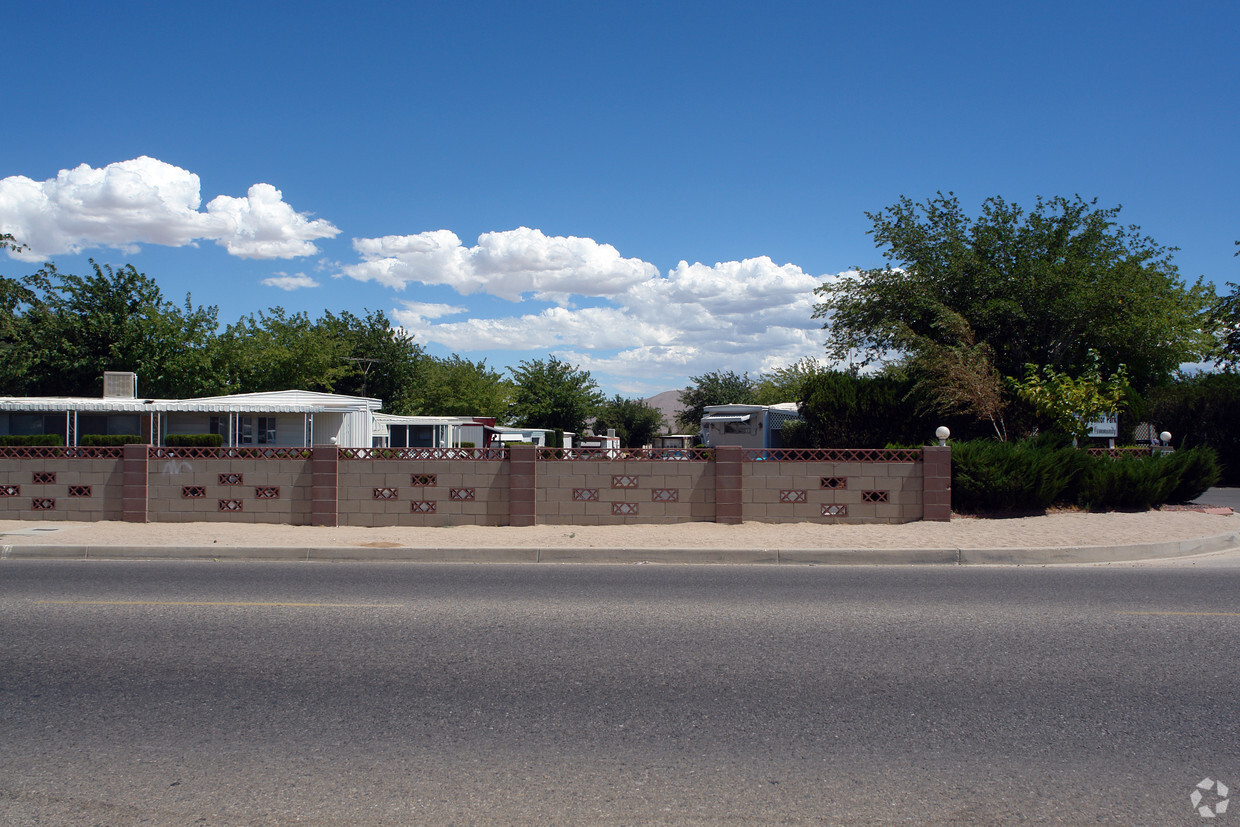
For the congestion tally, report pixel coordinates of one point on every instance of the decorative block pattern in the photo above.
(623, 509)
(873, 496)
(422, 507)
(386, 493)
(624, 481)
(193, 492)
(792, 496)
(79, 490)
(43, 478)
(437, 454)
(60, 452)
(267, 492)
(461, 495)
(43, 504)
(585, 495)
(834, 510)
(230, 479)
(832, 455)
(834, 483)
(230, 505)
(423, 480)
(10, 490)
(665, 495)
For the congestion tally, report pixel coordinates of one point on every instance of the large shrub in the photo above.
(1026, 477)
(1012, 477)
(844, 410)
(1201, 410)
(1132, 484)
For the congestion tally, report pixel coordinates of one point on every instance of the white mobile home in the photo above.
(748, 426)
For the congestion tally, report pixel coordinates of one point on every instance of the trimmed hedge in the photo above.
(54, 440)
(194, 440)
(110, 439)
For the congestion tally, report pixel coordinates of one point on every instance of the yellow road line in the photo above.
(1187, 614)
(209, 603)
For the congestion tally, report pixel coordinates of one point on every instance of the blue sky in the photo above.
(648, 190)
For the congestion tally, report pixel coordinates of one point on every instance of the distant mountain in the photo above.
(668, 403)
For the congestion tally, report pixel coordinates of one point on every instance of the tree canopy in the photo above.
(634, 421)
(719, 387)
(74, 328)
(551, 393)
(1225, 322)
(1044, 287)
(455, 386)
(786, 384)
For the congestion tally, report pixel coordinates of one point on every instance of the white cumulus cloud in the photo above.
(506, 264)
(413, 311)
(752, 315)
(294, 282)
(148, 201)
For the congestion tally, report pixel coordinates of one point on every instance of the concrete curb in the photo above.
(630, 556)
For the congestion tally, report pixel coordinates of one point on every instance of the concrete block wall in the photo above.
(327, 486)
(229, 489)
(61, 488)
(379, 492)
(606, 492)
(832, 492)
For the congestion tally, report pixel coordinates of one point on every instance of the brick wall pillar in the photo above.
(324, 496)
(135, 464)
(936, 496)
(522, 485)
(728, 484)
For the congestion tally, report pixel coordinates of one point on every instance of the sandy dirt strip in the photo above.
(1063, 529)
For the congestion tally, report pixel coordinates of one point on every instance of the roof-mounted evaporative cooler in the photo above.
(120, 384)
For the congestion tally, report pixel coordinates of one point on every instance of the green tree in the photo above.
(847, 410)
(1043, 287)
(275, 351)
(721, 387)
(552, 394)
(956, 375)
(16, 353)
(80, 326)
(634, 421)
(1074, 402)
(459, 387)
(382, 362)
(1200, 409)
(787, 383)
(1225, 322)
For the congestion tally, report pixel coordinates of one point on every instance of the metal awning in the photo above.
(725, 418)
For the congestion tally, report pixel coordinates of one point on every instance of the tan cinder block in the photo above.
(765, 495)
(903, 469)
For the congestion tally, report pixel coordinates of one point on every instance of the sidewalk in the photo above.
(1065, 537)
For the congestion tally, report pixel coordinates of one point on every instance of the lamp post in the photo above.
(942, 433)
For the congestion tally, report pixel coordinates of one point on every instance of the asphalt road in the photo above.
(238, 693)
(1229, 497)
